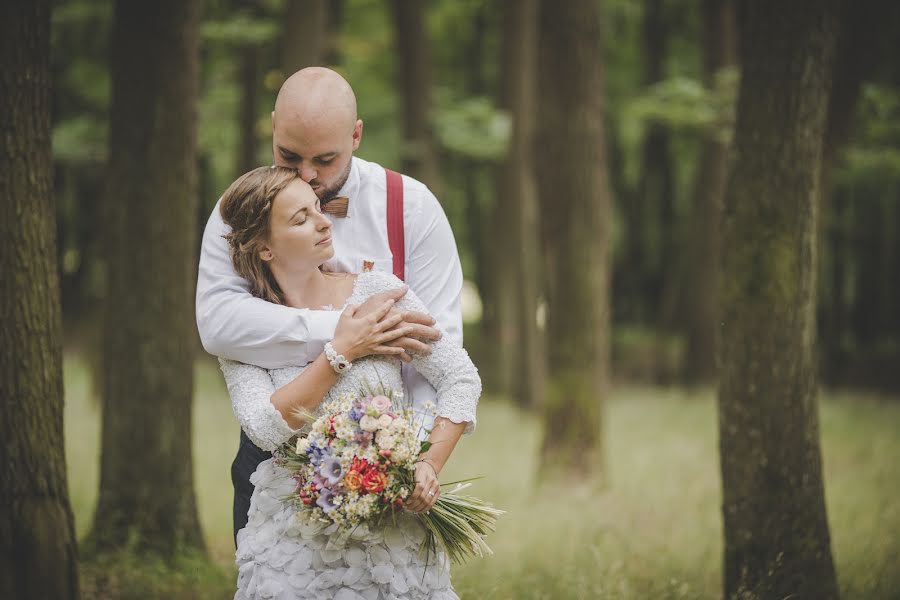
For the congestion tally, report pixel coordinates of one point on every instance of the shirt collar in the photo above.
(350, 189)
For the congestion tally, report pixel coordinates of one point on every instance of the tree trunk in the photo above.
(38, 554)
(414, 76)
(306, 38)
(248, 113)
(147, 500)
(701, 301)
(517, 251)
(776, 531)
(572, 185)
(862, 28)
(657, 185)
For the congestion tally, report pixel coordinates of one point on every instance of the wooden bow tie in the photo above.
(336, 207)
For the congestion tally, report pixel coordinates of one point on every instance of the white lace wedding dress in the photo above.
(280, 557)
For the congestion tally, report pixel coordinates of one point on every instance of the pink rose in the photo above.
(381, 403)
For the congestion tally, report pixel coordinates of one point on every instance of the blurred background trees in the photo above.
(436, 99)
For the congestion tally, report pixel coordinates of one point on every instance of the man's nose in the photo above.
(307, 173)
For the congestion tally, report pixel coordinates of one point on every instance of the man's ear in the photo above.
(357, 133)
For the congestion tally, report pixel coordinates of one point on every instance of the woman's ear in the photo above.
(266, 254)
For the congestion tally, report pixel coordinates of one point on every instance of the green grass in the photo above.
(653, 532)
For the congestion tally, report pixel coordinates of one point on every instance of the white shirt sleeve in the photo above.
(432, 261)
(236, 325)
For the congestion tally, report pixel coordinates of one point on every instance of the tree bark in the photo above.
(38, 553)
(147, 500)
(516, 234)
(248, 112)
(776, 532)
(306, 38)
(575, 218)
(414, 75)
(701, 302)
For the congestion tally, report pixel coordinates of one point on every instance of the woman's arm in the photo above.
(269, 416)
(450, 370)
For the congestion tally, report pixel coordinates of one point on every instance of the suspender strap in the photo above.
(395, 222)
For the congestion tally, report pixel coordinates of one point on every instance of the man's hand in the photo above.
(415, 329)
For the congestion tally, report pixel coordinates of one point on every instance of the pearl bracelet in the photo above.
(337, 361)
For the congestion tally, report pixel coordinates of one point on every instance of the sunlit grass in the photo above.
(653, 531)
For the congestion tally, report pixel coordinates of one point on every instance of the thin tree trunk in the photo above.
(777, 541)
(414, 71)
(862, 27)
(147, 500)
(701, 296)
(516, 213)
(575, 215)
(306, 38)
(38, 554)
(248, 113)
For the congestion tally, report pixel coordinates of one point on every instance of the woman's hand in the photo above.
(359, 336)
(427, 490)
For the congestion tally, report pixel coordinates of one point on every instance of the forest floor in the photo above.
(651, 530)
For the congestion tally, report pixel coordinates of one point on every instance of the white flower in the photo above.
(302, 445)
(384, 421)
(385, 440)
(367, 423)
(399, 424)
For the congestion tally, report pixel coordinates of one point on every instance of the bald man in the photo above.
(316, 130)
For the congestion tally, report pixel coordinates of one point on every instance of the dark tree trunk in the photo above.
(248, 113)
(776, 532)
(517, 248)
(147, 500)
(414, 76)
(656, 191)
(38, 554)
(862, 27)
(306, 39)
(569, 137)
(701, 297)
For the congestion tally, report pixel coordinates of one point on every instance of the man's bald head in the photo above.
(315, 128)
(313, 97)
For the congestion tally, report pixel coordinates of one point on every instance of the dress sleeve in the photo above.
(251, 390)
(447, 368)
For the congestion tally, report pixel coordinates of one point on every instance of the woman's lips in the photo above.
(324, 242)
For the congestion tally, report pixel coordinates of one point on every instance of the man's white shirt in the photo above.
(234, 324)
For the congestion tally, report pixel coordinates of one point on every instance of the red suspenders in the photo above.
(395, 222)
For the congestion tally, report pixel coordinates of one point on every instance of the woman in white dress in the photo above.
(279, 239)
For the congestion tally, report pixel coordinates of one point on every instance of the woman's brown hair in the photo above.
(246, 207)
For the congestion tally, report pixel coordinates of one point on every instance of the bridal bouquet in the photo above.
(357, 465)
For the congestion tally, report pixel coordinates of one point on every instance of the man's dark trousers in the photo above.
(249, 455)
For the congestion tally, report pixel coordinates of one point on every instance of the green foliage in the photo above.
(80, 140)
(472, 127)
(874, 154)
(684, 103)
(241, 29)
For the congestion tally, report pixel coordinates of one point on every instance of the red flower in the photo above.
(374, 481)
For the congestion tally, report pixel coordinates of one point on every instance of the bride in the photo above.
(279, 240)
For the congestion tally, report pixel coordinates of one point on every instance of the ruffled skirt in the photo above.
(282, 558)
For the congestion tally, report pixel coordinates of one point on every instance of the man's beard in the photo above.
(331, 192)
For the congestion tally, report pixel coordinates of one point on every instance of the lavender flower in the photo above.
(326, 500)
(331, 470)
